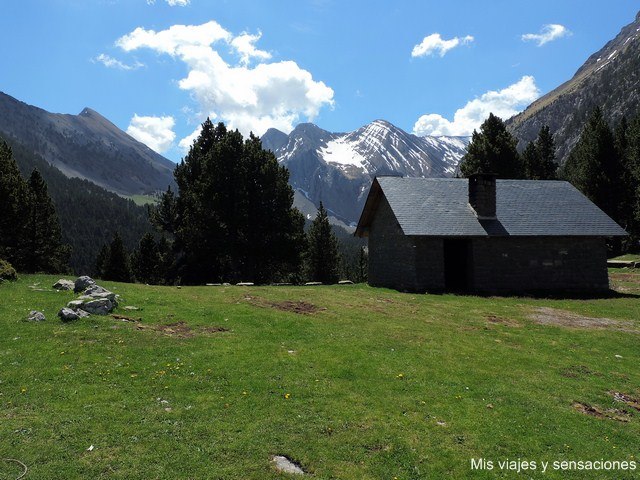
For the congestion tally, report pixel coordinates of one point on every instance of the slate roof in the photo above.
(440, 207)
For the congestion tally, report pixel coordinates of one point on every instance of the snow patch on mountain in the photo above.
(342, 152)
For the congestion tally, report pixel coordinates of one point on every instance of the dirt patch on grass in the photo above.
(595, 411)
(628, 277)
(180, 329)
(300, 307)
(625, 282)
(630, 401)
(575, 371)
(563, 318)
(502, 321)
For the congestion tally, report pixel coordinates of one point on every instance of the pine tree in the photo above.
(117, 266)
(275, 231)
(145, 261)
(628, 142)
(46, 253)
(595, 168)
(164, 215)
(14, 202)
(323, 260)
(166, 261)
(539, 157)
(102, 259)
(233, 217)
(493, 150)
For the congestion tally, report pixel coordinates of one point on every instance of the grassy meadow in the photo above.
(350, 382)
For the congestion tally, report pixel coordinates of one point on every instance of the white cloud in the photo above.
(176, 39)
(244, 45)
(434, 43)
(547, 34)
(504, 103)
(155, 132)
(248, 98)
(111, 62)
(172, 3)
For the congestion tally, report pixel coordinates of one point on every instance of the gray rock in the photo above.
(97, 296)
(312, 284)
(82, 283)
(345, 282)
(75, 304)
(283, 464)
(245, 284)
(93, 289)
(36, 316)
(82, 314)
(100, 306)
(68, 315)
(63, 284)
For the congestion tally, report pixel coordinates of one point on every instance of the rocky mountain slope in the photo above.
(610, 78)
(338, 168)
(86, 146)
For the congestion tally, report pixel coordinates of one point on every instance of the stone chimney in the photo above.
(482, 195)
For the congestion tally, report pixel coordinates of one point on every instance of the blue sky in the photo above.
(158, 68)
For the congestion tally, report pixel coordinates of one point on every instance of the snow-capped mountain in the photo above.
(338, 168)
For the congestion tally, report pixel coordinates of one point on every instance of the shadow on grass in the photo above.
(544, 294)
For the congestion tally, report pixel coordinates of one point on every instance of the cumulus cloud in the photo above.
(155, 132)
(547, 34)
(249, 98)
(504, 103)
(244, 45)
(434, 43)
(111, 62)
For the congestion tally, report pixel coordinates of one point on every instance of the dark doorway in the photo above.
(457, 263)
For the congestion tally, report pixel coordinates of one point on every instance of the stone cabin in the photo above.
(484, 235)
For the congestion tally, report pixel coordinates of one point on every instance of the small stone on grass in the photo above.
(283, 464)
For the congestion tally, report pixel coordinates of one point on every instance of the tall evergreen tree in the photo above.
(492, 150)
(164, 215)
(595, 168)
(323, 260)
(166, 264)
(275, 231)
(233, 217)
(117, 265)
(145, 260)
(628, 140)
(539, 157)
(14, 203)
(101, 261)
(46, 253)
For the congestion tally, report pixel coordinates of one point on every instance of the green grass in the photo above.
(635, 257)
(380, 384)
(142, 200)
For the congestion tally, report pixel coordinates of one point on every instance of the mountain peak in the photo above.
(88, 112)
(383, 123)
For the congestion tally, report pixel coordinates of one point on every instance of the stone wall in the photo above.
(404, 263)
(521, 264)
(391, 253)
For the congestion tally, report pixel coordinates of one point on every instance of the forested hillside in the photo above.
(89, 215)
